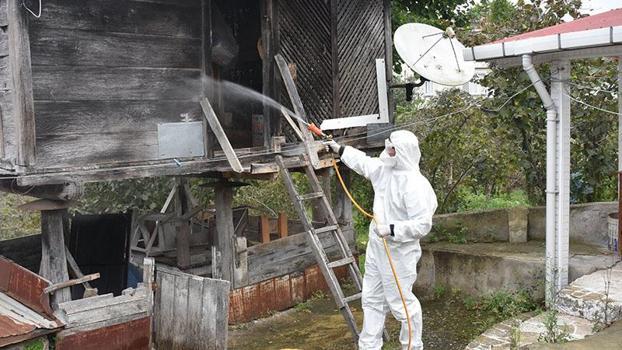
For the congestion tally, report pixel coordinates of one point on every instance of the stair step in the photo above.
(312, 195)
(341, 262)
(353, 297)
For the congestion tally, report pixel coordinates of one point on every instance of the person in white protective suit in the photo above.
(404, 203)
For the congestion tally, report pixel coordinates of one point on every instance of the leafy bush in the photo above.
(14, 222)
(505, 304)
(479, 201)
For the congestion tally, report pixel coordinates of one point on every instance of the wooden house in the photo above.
(90, 88)
(101, 90)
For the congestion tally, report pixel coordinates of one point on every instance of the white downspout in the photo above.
(551, 190)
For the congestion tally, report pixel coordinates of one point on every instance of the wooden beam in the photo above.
(299, 109)
(21, 73)
(65, 192)
(267, 67)
(220, 135)
(53, 257)
(388, 54)
(77, 273)
(225, 230)
(58, 286)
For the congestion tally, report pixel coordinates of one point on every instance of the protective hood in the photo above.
(406, 150)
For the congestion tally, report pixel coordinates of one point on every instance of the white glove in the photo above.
(334, 146)
(382, 231)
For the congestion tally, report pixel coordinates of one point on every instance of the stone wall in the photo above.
(588, 222)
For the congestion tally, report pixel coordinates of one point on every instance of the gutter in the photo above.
(551, 190)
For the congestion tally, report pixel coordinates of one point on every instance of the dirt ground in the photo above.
(317, 324)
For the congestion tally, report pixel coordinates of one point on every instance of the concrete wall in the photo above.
(497, 225)
(478, 274)
(588, 222)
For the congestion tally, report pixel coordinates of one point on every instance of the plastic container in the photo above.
(612, 225)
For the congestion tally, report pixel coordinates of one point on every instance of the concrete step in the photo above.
(596, 296)
(529, 331)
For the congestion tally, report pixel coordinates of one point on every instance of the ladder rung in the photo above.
(341, 262)
(317, 231)
(352, 297)
(312, 195)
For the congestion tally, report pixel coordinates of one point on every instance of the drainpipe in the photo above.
(551, 163)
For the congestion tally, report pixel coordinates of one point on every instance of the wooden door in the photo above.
(191, 312)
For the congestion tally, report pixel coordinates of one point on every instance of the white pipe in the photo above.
(551, 190)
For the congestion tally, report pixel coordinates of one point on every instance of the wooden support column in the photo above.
(317, 211)
(21, 73)
(225, 229)
(182, 226)
(264, 227)
(53, 256)
(282, 225)
(343, 204)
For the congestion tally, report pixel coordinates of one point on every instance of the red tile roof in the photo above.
(611, 18)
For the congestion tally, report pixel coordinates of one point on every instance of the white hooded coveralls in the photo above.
(403, 197)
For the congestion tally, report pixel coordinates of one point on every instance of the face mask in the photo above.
(385, 157)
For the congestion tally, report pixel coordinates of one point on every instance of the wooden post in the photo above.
(53, 257)
(265, 229)
(282, 225)
(343, 204)
(318, 214)
(21, 72)
(267, 8)
(225, 229)
(182, 226)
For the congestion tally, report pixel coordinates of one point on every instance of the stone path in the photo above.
(584, 306)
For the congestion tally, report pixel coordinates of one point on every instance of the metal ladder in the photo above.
(313, 237)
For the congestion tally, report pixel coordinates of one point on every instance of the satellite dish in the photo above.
(434, 54)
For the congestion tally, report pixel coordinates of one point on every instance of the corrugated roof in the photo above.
(24, 307)
(611, 18)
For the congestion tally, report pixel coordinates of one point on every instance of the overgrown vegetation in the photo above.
(554, 332)
(15, 222)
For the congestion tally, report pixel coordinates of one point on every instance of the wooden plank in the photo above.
(77, 305)
(136, 308)
(166, 310)
(298, 107)
(19, 60)
(53, 259)
(180, 315)
(4, 42)
(182, 239)
(70, 47)
(82, 150)
(58, 286)
(85, 83)
(265, 229)
(288, 255)
(282, 225)
(4, 9)
(224, 228)
(193, 333)
(220, 135)
(161, 18)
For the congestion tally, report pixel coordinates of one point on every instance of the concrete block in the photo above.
(518, 224)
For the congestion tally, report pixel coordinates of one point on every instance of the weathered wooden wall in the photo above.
(190, 312)
(334, 45)
(8, 135)
(105, 73)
